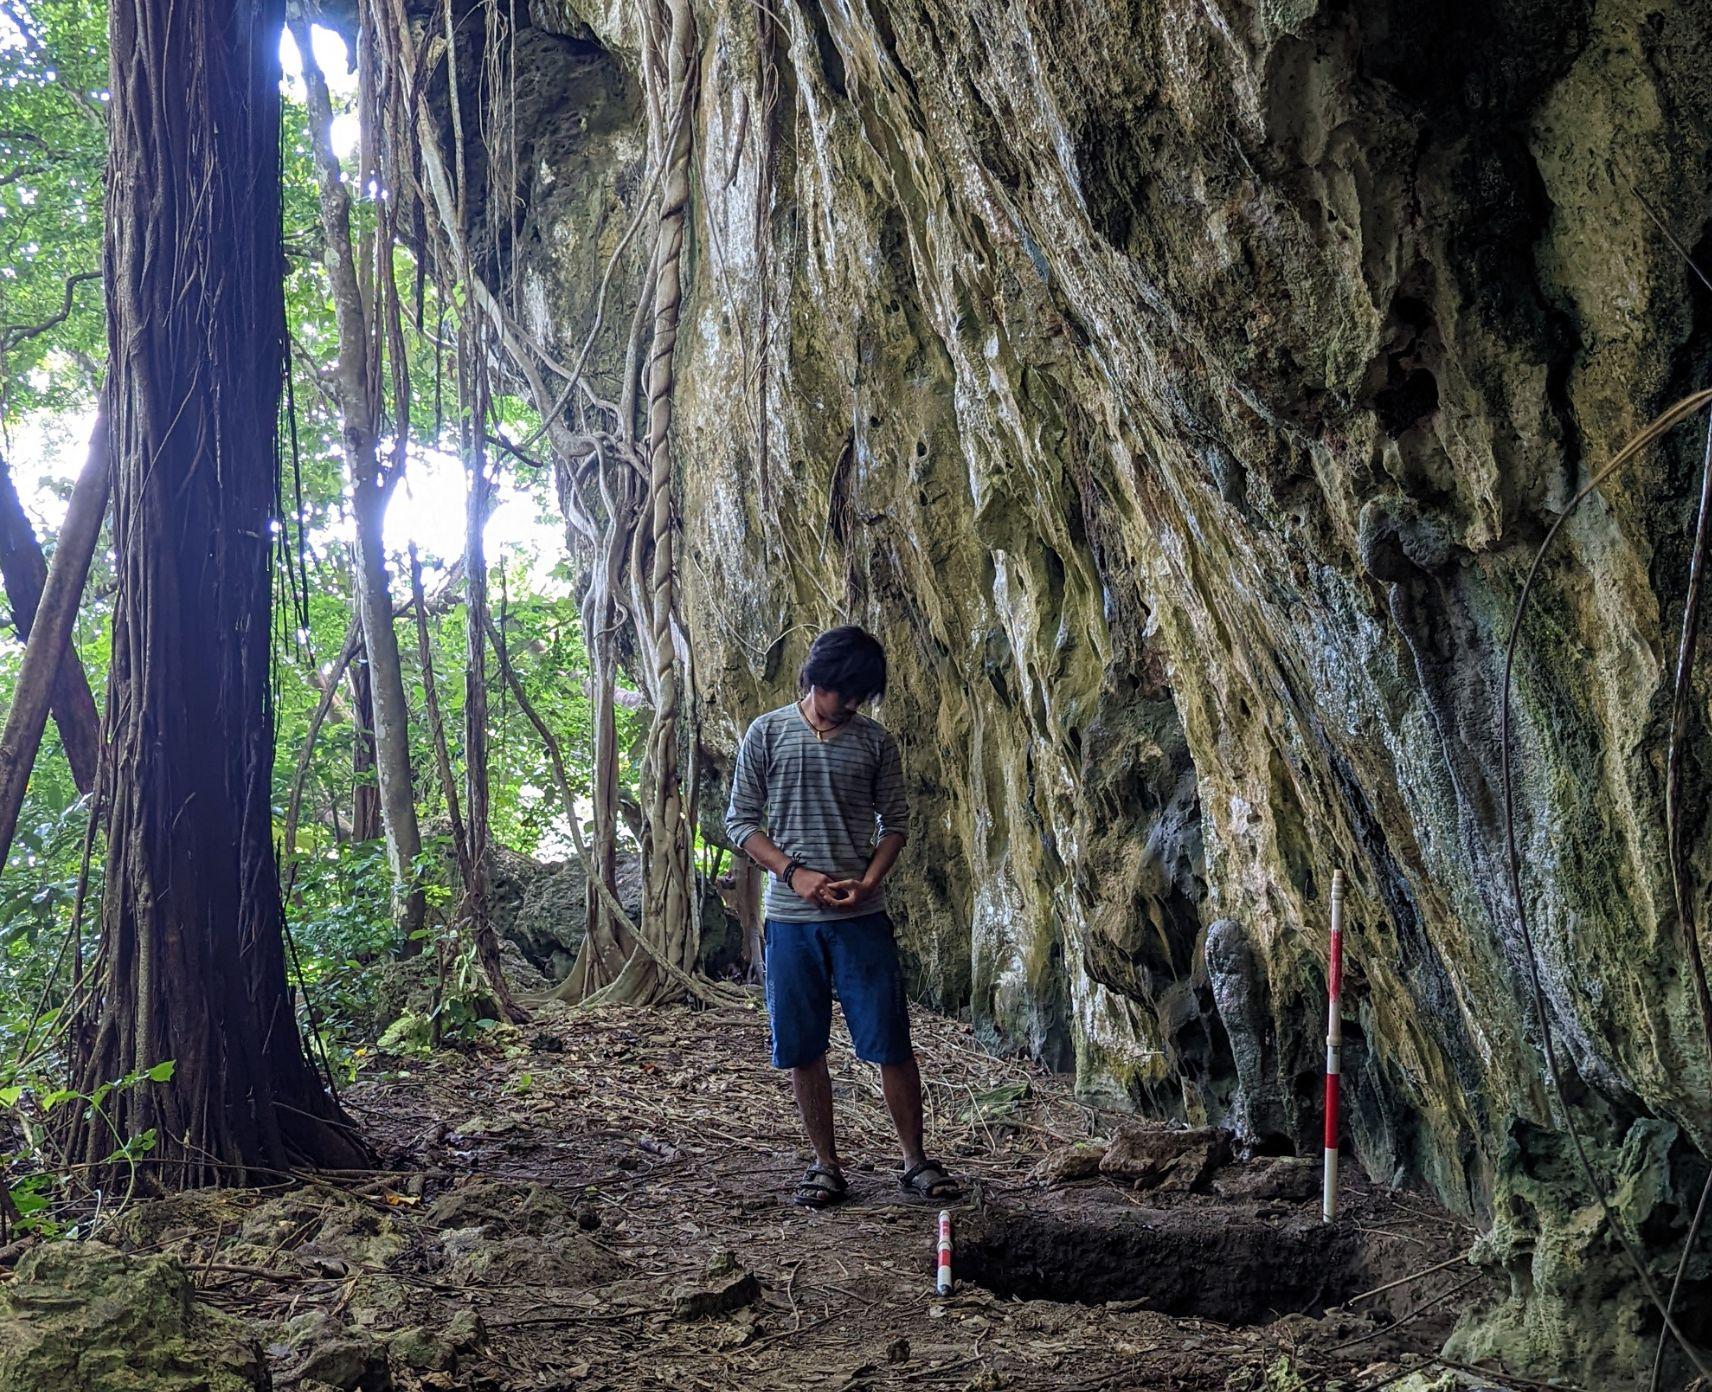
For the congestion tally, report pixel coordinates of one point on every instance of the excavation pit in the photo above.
(1229, 1267)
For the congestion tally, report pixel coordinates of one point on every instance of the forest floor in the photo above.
(601, 1200)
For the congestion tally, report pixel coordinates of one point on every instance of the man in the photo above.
(828, 784)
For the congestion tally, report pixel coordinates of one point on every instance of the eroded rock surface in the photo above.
(83, 1317)
(1180, 391)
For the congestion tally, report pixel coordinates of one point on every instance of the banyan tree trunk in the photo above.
(606, 943)
(191, 965)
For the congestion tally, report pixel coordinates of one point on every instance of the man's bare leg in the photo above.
(901, 1083)
(812, 1085)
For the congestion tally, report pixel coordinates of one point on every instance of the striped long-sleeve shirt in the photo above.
(824, 802)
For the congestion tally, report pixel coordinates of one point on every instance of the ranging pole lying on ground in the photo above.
(944, 1287)
(1334, 1047)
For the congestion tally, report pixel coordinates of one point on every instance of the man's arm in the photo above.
(891, 817)
(748, 802)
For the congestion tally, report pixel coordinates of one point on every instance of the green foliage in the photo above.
(53, 72)
(36, 901)
(28, 1104)
(543, 639)
(341, 925)
(53, 75)
(461, 1011)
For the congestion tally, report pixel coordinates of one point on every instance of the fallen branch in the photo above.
(1413, 1314)
(1406, 1280)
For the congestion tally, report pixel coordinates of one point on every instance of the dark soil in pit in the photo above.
(1230, 1267)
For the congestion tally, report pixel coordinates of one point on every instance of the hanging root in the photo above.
(631, 525)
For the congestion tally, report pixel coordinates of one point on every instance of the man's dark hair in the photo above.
(848, 660)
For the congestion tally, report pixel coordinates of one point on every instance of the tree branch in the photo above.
(11, 335)
(43, 653)
(24, 570)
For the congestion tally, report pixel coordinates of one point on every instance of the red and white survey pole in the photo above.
(1334, 1047)
(943, 1285)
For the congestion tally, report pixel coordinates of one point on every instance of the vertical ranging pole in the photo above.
(944, 1286)
(1334, 1046)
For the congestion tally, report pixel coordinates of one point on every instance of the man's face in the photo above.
(832, 707)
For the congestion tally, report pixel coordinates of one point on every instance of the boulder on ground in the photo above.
(1281, 1178)
(498, 1231)
(541, 906)
(353, 1363)
(317, 1349)
(503, 1204)
(421, 1350)
(558, 1261)
(722, 1288)
(1079, 1161)
(161, 1224)
(1157, 1158)
(465, 1331)
(84, 1317)
(319, 1226)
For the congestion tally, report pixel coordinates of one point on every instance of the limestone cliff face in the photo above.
(1180, 387)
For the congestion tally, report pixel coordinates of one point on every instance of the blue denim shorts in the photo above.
(857, 958)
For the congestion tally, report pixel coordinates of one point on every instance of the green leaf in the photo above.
(54, 1098)
(137, 1145)
(28, 1197)
(9, 1096)
(161, 1072)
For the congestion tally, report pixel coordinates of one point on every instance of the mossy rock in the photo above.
(318, 1349)
(420, 1349)
(176, 1218)
(83, 1317)
(502, 1204)
(565, 1261)
(318, 1223)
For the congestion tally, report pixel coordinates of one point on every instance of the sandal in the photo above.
(820, 1188)
(930, 1180)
